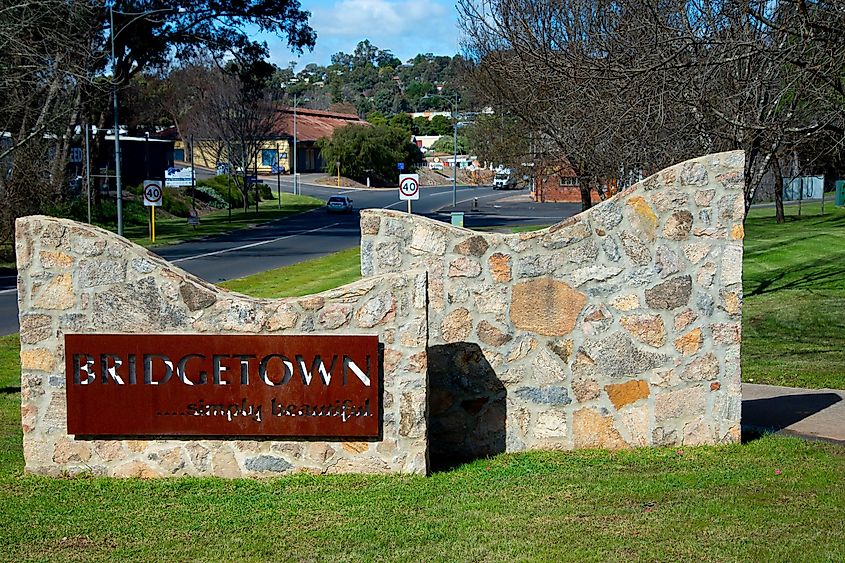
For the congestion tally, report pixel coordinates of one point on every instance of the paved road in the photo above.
(316, 233)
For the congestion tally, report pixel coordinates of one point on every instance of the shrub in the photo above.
(175, 202)
(211, 197)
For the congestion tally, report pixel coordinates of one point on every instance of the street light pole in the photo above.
(295, 182)
(455, 162)
(455, 146)
(117, 178)
(278, 175)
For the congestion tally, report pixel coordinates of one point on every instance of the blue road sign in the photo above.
(400, 165)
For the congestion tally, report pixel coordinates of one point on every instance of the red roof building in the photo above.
(311, 124)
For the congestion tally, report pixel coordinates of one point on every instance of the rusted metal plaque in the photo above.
(202, 385)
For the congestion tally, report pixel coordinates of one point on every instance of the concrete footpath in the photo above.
(815, 414)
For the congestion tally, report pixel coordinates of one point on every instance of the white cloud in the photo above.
(404, 27)
(352, 18)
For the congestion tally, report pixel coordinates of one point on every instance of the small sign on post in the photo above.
(152, 198)
(409, 188)
(400, 166)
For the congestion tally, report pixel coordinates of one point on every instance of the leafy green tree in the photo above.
(422, 126)
(440, 125)
(402, 121)
(383, 101)
(376, 118)
(370, 151)
(446, 144)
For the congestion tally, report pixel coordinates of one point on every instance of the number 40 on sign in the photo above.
(152, 199)
(409, 188)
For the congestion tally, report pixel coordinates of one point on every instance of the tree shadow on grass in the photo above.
(807, 275)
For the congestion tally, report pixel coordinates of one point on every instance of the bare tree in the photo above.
(47, 52)
(623, 87)
(234, 115)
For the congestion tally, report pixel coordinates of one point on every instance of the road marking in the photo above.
(251, 245)
(449, 192)
(5, 291)
(479, 197)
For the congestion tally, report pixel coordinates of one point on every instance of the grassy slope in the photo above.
(794, 282)
(174, 230)
(312, 276)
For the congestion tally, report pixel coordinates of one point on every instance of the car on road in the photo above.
(505, 180)
(339, 204)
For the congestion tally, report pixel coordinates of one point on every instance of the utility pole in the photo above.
(88, 170)
(193, 178)
(278, 175)
(295, 179)
(117, 179)
(455, 171)
(147, 156)
(257, 194)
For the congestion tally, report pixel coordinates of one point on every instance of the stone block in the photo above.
(643, 219)
(472, 246)
(56, 295)
(680, 403)
(546, 306)
(689, 343)
(592, 430)
(621, 394)
(35, 327)
(678, 225)
(464, 267)
(491, 335)
(648, 329)
(456, 326)
(670, 294)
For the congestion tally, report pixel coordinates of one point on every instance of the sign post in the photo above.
(338, 173)
(152, 198)
(409, 188)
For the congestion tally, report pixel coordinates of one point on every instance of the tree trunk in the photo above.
(586, 200)
(779, 216)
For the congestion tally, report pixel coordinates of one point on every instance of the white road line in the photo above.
(480, 197)
(5, 291)
(402, 202)
(251, 245)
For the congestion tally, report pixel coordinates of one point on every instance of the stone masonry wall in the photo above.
(619, 327)
(77, 278)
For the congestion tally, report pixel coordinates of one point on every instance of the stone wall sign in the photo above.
(222, 385)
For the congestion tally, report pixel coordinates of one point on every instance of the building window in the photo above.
(568, 180)
(269, 157)
(179, 154)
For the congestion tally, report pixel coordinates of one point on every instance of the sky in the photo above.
(405, 27)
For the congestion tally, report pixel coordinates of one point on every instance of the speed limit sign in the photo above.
(152, 193)
(409, 186)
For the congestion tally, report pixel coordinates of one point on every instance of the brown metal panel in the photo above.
(238, 385)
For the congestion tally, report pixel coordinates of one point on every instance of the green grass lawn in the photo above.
(303, 278)
(176, 229)
(775, 498)
(794, 310)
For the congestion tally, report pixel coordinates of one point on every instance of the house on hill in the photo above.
(277, 148)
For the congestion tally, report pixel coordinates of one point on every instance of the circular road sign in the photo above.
(409, 187)
(152, 194)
